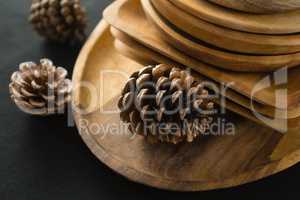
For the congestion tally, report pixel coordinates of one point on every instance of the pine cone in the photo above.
(40, 89)
(165, 104)
(59, 20)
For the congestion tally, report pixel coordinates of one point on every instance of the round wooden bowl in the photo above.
(260, 6)
(210, 163)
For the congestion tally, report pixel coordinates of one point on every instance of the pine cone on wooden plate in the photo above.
(59, 20)
(165, 104)
(40, 89)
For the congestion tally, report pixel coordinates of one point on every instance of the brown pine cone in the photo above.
(165, 104)
(59, 20)
(40, 89)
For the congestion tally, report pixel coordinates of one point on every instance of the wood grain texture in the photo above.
(130, 48)
(129, 17)
(260, 6)
(214, 56)
(138, 52)
(281, 23)
(211, 163)
(288, 144)
(225, 38)
(234, 101)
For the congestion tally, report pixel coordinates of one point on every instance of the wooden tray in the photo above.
(136, 51)
(129, 17)
(212, 55)
(225, 38)
(280, 23)
(210, 163)
(260, 6)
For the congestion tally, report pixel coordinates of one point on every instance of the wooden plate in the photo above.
(260, 6)
(214, 56)
(129, 17)
(210, 163)
(280, 23)
(138, 52)
(225, 38)
(234, 102)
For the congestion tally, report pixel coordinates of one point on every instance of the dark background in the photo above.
(41, 158)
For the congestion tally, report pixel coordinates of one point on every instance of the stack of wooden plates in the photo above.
(142, 33)
(244, 52)
(226, 38)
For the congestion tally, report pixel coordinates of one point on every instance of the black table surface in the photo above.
(43, 158)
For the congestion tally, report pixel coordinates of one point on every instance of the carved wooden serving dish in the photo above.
(211, 163)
